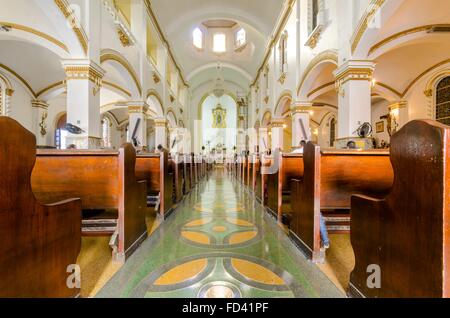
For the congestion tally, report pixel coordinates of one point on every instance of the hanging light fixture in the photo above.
(219, 89)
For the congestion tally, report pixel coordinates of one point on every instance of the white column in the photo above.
(84, 79)
(354, 87)
(263, 140)
(40, 114)
(277, 126)
(161, 132)
(137, 112)
(301, 118)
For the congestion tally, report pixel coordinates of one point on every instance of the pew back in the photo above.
(408, 233)
(38, 242)
(330, 178)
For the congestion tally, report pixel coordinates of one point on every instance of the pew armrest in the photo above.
(64, 202)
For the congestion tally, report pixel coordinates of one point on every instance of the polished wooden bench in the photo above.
(329, 180)
(407, 233)
(291, 167)
(256, 173)
(267, 162)
(179, 178)
(38, 242)
(114, 203)
(188, 185)
(154, 169)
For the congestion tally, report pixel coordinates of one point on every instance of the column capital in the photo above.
(277, 122)
(160, 122)
(82, 69)
(301, 107)
(359, 70)
(9, 92)
(39, 104)
(137, 107)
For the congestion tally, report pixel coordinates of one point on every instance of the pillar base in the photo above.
(361, 143)
(84, 142)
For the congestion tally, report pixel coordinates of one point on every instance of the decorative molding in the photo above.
(118, 87)
(282, 21)
(319, 88)
(353, 71)
(20, 78)
(84, 70)
(137, 109)
(326, 56)
(424, 28)
(68, 13)
(314, 37)
(370, 12)
(124, 38)
(156, 78)
(164, 39)
(398, 105)
(40, 34)
(111, 55)
(50, 87)
(9, 92)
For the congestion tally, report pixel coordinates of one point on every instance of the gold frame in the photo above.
(379, 127)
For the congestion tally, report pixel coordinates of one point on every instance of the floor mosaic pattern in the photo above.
(219, 242)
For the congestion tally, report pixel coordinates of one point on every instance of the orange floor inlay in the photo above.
(256, 272)
(242, 237)
(182, 272)
(196, 237)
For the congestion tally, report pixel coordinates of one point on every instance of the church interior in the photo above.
(224, 149)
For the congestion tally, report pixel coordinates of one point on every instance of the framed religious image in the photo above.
(380, 127)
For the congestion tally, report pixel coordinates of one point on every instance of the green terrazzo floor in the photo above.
(219, 242)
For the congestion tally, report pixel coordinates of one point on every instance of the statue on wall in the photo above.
(220, 115)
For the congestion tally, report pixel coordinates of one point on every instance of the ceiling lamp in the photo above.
(219, 89)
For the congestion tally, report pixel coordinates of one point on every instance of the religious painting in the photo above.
(220, 115)
(380, 127)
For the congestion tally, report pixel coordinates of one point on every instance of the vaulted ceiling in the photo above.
(178, 19)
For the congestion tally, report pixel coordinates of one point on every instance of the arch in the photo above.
(5, 91)
(155, 102)
(333, 127)
(233, 67)
(172, 118)
(364, 36)
(283, 104)
(266, 119)
(326, 57)
(60, 122)
(28, 34)
(111, 55)
(204, 97)
(20, 79)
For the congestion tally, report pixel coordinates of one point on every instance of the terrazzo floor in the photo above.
(219, 242)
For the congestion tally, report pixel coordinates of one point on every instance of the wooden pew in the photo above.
(251, 158)
(38, 242)
(266, 163)
(291, 167)
(271, 191)
(176, 167)
(154, 169)
(255, 171)
(113, 201)
(187, 174)
(258, 179)
(407, 233)
(330, 178)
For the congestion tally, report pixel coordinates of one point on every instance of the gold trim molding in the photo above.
(371, 11)
(65, 9)
(326, 56)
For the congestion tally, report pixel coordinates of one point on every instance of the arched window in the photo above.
(283, 54)
(106, 132)
(332, 132)
(60, 133)
(443, 101)
(241, 37)
(198, 38)
(220, 43)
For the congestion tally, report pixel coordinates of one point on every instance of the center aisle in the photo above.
(219, 242)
